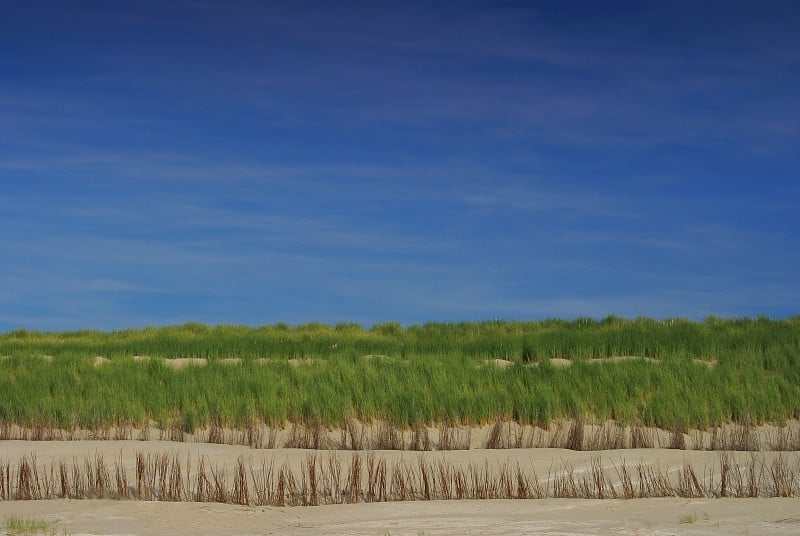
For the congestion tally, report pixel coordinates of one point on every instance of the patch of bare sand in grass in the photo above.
(370, 357)
(708, 363)
(564, 363)
(623, 358)
(499, 363)
(294, 362)
(181, 362)
(231, 361)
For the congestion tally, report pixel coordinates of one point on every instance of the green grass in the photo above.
(21, 526)
(687, 519)
(430, 373)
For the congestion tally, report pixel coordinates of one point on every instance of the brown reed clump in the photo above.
(165, 477)
(640, 437)
(741, 436)
(388, 437)
(312, 435)
(216, 434)
(420, 439)
(575, 437)
(498, 436)
(575, 434)
(611, 435)
(678, 438)
(786, 438)
(452, 437)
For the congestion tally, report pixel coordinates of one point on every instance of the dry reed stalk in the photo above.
(290, 487)
(784, 479)
(453, 438)
(653, 482)
(63, 480)
(426, 479)
(563, 482)
(310, 484)
(698, 440)
(445, 479)
(39, 430)
(498, 436)
(78, 485)
(98, 478)
(504, 489)
(352, 435)
(740, 436)
(262, 483)
(538, 438)
(241, 494)
(203, 486)
(5, 481)
(610, 436)
(738, 481)
(420, 439)
(382, 482)
(388, 437)
(688, 483)
(254, 435)
(25, 485)
(628, 491)
(369, 496)
(309, 436)
(755, 474)
(557, 434)
(166, 478)
(216, 434)
(173, 431)
(724, 473)
(678, 439)
(334, 479)
(397, 487)
(122, 432)
(161, 475)
(600, 486)
(640, 437)
(121, 478)
(523, 487)
(786, 438)
(175, 489)
(354, 479)
(219, 491)
(575, 437)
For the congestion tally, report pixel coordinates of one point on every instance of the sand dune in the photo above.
(701, 516)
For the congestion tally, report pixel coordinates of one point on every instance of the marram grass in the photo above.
(699, 373)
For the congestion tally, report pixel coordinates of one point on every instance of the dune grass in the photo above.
(408, 376)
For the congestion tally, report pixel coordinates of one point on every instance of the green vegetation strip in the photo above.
(412, 375)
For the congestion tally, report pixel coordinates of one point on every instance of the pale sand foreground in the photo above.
(496, 517)
(501, 517)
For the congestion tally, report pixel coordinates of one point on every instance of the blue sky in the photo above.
(258, 162)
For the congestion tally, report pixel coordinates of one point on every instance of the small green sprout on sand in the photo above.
(21, 526)
(689, 519)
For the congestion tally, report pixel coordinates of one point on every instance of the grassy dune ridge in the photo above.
(407, 375)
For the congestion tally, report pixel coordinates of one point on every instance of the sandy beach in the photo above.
(554, 516)
(491, 517)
